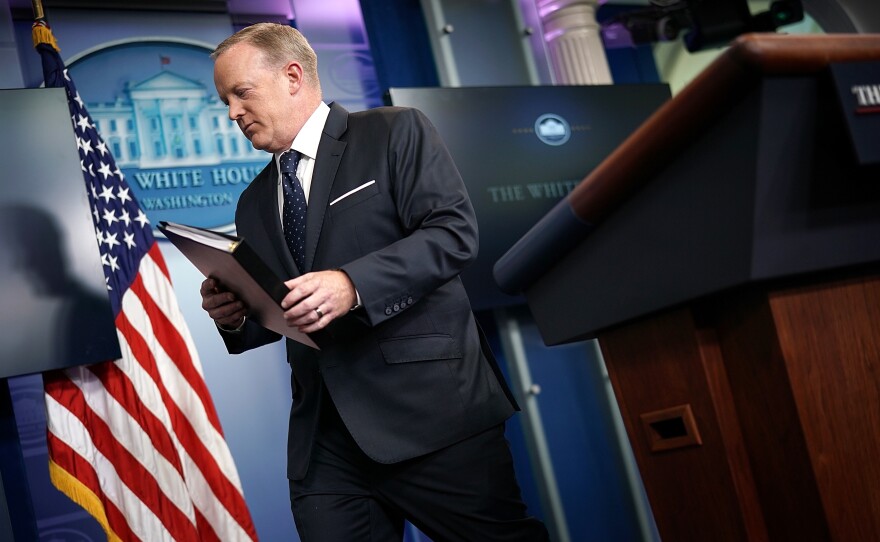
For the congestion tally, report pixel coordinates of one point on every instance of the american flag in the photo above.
(137, 441)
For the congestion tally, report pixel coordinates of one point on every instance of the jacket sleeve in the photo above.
(250, 336)
(435, 213)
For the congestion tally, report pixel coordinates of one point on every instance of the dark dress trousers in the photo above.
(409, 371)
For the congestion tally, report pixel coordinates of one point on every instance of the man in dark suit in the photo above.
(400, 414)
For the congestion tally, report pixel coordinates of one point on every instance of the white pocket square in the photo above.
(352, 191)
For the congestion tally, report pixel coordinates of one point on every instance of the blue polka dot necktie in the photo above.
(295, 208)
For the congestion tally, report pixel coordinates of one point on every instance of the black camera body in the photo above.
(705, 23)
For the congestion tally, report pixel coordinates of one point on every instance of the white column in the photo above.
(574, 44)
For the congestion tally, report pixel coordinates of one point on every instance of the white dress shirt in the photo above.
(306, 144)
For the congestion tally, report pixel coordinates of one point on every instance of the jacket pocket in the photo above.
(419, 348)
(353, 197)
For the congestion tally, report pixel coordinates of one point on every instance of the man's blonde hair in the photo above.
(280, 44)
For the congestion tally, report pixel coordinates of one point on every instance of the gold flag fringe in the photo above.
(41, 33)
(82, 495)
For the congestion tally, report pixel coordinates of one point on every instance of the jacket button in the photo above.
(388, 311)
(403, 304)
(410, 301)
(396, 307)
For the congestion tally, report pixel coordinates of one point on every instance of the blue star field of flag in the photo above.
(122, 229)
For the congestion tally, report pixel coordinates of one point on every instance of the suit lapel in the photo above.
(330, 151)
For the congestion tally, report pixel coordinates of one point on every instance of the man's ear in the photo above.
(294, 74)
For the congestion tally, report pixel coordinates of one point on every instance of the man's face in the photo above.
(260, 98)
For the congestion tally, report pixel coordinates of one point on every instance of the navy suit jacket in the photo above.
(410, 371)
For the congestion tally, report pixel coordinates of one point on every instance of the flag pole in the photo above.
(40, 31)
(38, 9)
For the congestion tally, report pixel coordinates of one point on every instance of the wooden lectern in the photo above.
(727, 258)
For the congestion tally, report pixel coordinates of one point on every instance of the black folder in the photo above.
(230, 260)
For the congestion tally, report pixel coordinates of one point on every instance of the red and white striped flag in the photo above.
(137, 441)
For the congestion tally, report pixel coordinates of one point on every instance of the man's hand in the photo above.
(222, 305)
(316, 299)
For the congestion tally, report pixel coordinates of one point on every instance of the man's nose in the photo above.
(235, 111)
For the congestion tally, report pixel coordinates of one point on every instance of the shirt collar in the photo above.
(307, 140)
